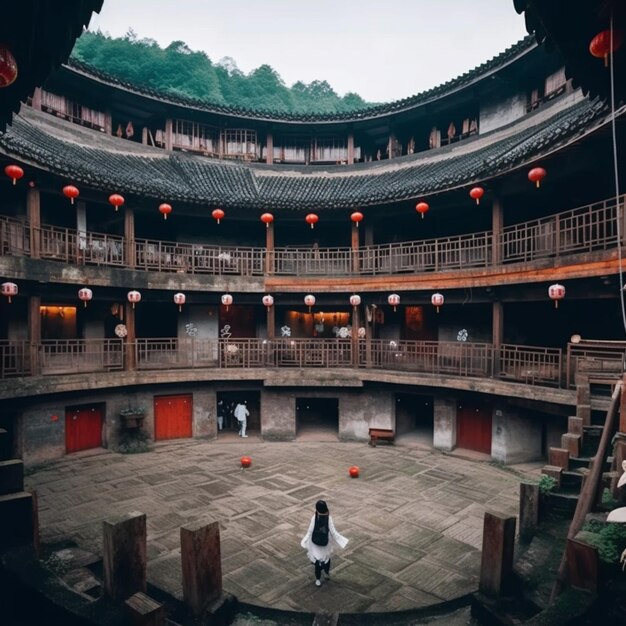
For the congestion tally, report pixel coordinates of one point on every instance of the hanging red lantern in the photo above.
(267, 219)
(312, 219)
(536, 175)
(355, 300)
(394, 300)
(437, 300)
(227, 300)
(357, 217)
(14, 172)
(422, 208)
(556, 292)
(9, 290)
(116, 200)
(477, 193)
(600, 45)
(218, 215)
(85, 295)
(245, 461)
(8, 67)
(165, 209)
(309, 301)
(179, 299)
(268, 301)
(354, 471)
(134, 297)
(71, 192)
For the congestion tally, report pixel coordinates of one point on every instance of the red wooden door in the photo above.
(83, 429)
(474, 428)
(172, 417)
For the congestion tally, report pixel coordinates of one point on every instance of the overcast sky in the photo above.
(382, 50)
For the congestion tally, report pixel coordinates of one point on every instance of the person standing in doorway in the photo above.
(241, 413)
(220, 415)
(321, 540)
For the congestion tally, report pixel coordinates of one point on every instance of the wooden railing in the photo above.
(585, 229)
(15, 359)
(69, 356)
(600, 358)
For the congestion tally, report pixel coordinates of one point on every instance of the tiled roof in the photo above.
(521, 47)
(107, 163)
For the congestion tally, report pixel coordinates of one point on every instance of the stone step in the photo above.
(563, 502)
(572, 478)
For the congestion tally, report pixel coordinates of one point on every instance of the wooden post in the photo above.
(34, 332)
(108, 123)
(497, 220)
(622, 408)
(355, 336)
(528, 510)
(124, 556)
(497, 332)
(169, 134)
(131, 337)
(350, 148)
(33, 216)
(144, 135)
(355, 248)
(269, 249)
(129, 238)
(144, 611)
(583, 565)
(201, 560)
(81, 230)
(269, 148)
(496, 565)
(36, 100)
(271, 322)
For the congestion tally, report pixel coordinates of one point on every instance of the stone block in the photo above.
(575, 425)
(528, 510)
(496, 566)
(16, 520)
(144, 611)
(11, 476)
(555, 472)
(571, 443)
(559, 457)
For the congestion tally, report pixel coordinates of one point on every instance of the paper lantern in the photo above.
(179, 299)
(355, 300)
(536, 175)
(556, 292)
(165, 209)
(227, 300)
(354, 471)
(357, 217)
(600, 45)
(309, 300)
(8, 67)
(134, 297)
(71, 192)
(312, 219)
(245, 461)
(218, 215)
(422, 208)
(267, 219)
(268, 301)
(85, 295)
(394, 300)
(437, 300)
(9, 290)
(14, 172)
(116, 200)
(477, 193)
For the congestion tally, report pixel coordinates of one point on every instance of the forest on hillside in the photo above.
(182, 72)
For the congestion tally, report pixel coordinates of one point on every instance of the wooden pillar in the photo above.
(144, 611)
(496, 565)
(169, 134)
(355, 248)
(34, 332)
(129, 238)
(350, 148)
(369, 330)
(81, 229)
(497, 332)
(271, 322)
(269, 249)
(497, 219)
(108, 123)
(528, 510)
(129, 354)
(33, 217)
(622, 407)
(269, 149)
(355, 336)
(144, 135)
(201, 560)
(124, 556)
(36, 100)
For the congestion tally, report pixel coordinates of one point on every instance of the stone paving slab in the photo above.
(413, 518)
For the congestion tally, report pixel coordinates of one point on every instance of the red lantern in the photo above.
(134, 297)
(227, 300)
(422, 208)
(394, 300)
(437, 300)
(218, 215)
(9, 290)
(477, 193)
(15, 172)
(179, 299)
(357, 217)
(245, 461)
(165, 209)
(536, 175)
(355, 301)
(8, 67)
(71, 192)
(354, 471)
(268, 301)
(267, 219)
(312, 219)
(85, 295)
(556, 292)
(309, 301)
(600, 45)
(116, 200)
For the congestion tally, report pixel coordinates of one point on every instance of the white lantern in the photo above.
(437, 300)
(179, 299)
(227, 300)
(134, 297)
(85, 295)
(394, 300)
(268, 301)
(9, 290)
(556, 293)
(355, 301)
(309, 301)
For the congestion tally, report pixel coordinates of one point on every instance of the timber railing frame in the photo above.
(593, 227)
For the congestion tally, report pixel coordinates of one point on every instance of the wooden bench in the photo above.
(381, 433)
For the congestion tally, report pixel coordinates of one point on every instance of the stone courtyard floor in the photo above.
(414, 516)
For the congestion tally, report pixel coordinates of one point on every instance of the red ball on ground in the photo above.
(246, 461)
(354, 472)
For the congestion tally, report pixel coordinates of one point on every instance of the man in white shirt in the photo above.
(241, 413)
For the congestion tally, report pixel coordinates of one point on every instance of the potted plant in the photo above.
(132, 417)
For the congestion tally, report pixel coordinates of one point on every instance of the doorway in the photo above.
(414, 418)
(317, 418)
(226, 403)
(172, 417)
(473, 423)
(83, 428)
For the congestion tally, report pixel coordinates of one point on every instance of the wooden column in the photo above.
(169, 134)
(269, 149)
(108, 123)
(622, 407)
(129, 238)
(496, 565)
(497, 332)
(201, 561)
(355, 248)
(350, 148)
(269, 249)
(369, 329)
(497, 220)
(271, 322)
(528, 510)
(33, 216)
(144, 135)
(36, 100)
(34, 332)
(355, 336)
(81, 229)
(129, 354)
(124, 555)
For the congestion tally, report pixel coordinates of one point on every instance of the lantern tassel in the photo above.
(538, 184)
(180, 308)
(71, 200)
(422, 216)
(606, 59)
(164, 216)
(9, 299)
(15, 181)
(437, 309)
(312, 226)
(556, 304)
(85, 304)
(477, 200)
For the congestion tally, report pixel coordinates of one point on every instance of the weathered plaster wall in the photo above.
(516, 436)
(497, 114)
(444, 436)
(278, 414)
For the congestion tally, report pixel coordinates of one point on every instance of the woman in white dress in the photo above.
(321, 540)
